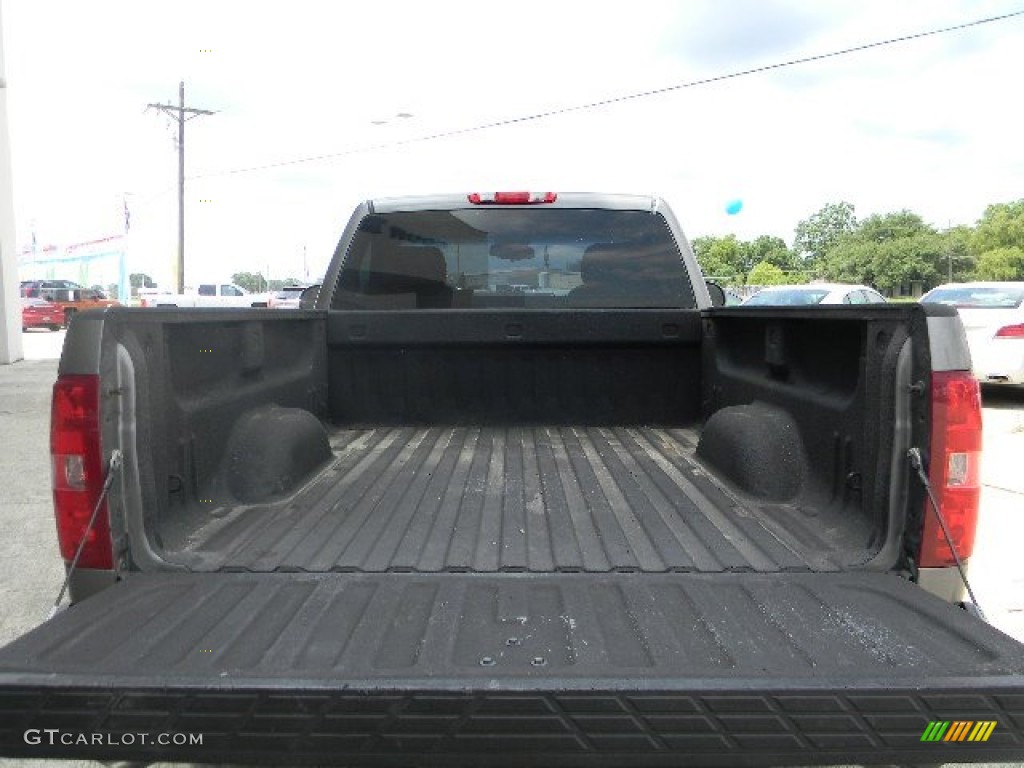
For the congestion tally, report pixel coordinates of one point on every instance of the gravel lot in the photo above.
(31, 573)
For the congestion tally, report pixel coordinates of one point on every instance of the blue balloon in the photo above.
(733, 207)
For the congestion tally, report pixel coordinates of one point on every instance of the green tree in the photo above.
(1001, 264)
(997, 242)
(721, 257)
(817, 234)
(253, 282)
(903, 260)
(887, 251)
(1001, 226)
(770, 249)
(892, 226)
(959, 260)
(850, 260)
(766, 273)
(730, 259)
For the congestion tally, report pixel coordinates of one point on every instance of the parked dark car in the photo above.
(35, 289)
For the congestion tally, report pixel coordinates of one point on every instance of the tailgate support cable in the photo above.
(113, 466)
(918, 465)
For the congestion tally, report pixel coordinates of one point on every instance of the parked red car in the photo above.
(67, 296)
(39, 313)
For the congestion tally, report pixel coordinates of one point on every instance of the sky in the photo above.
(931, 125)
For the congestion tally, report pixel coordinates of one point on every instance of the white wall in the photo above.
(10, 305)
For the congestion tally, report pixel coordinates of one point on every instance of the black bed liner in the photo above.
(537, 499)
(517, 669)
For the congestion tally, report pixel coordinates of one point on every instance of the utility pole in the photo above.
(181, 113)
(949, 245)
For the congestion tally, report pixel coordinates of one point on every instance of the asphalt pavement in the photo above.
(31, 571)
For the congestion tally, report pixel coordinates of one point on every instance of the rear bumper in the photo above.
(999, 361)
(42, 322)
(1000, 377)
(314, 724)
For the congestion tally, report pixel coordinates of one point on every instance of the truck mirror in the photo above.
(717, 293)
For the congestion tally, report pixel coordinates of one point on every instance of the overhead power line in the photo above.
(614, 99)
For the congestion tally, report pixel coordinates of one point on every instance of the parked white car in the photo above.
(993, 317)
(814, 293)
(204, 295)
(286, 298)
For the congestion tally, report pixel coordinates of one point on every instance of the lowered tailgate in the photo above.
(515, 669)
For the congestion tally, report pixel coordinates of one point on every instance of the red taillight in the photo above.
(953, 470)
(511, 198)
(78, 470)
(1011, 332)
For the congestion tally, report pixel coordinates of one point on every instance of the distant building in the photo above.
(100, 262)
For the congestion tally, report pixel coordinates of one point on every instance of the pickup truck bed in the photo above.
(577, 450)
(449, 520)
(537, 499)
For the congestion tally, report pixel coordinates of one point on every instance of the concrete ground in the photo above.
(31, 572)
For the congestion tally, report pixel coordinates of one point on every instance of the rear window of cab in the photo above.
(514, 257)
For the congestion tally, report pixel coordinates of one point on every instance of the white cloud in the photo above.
(928, 125)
